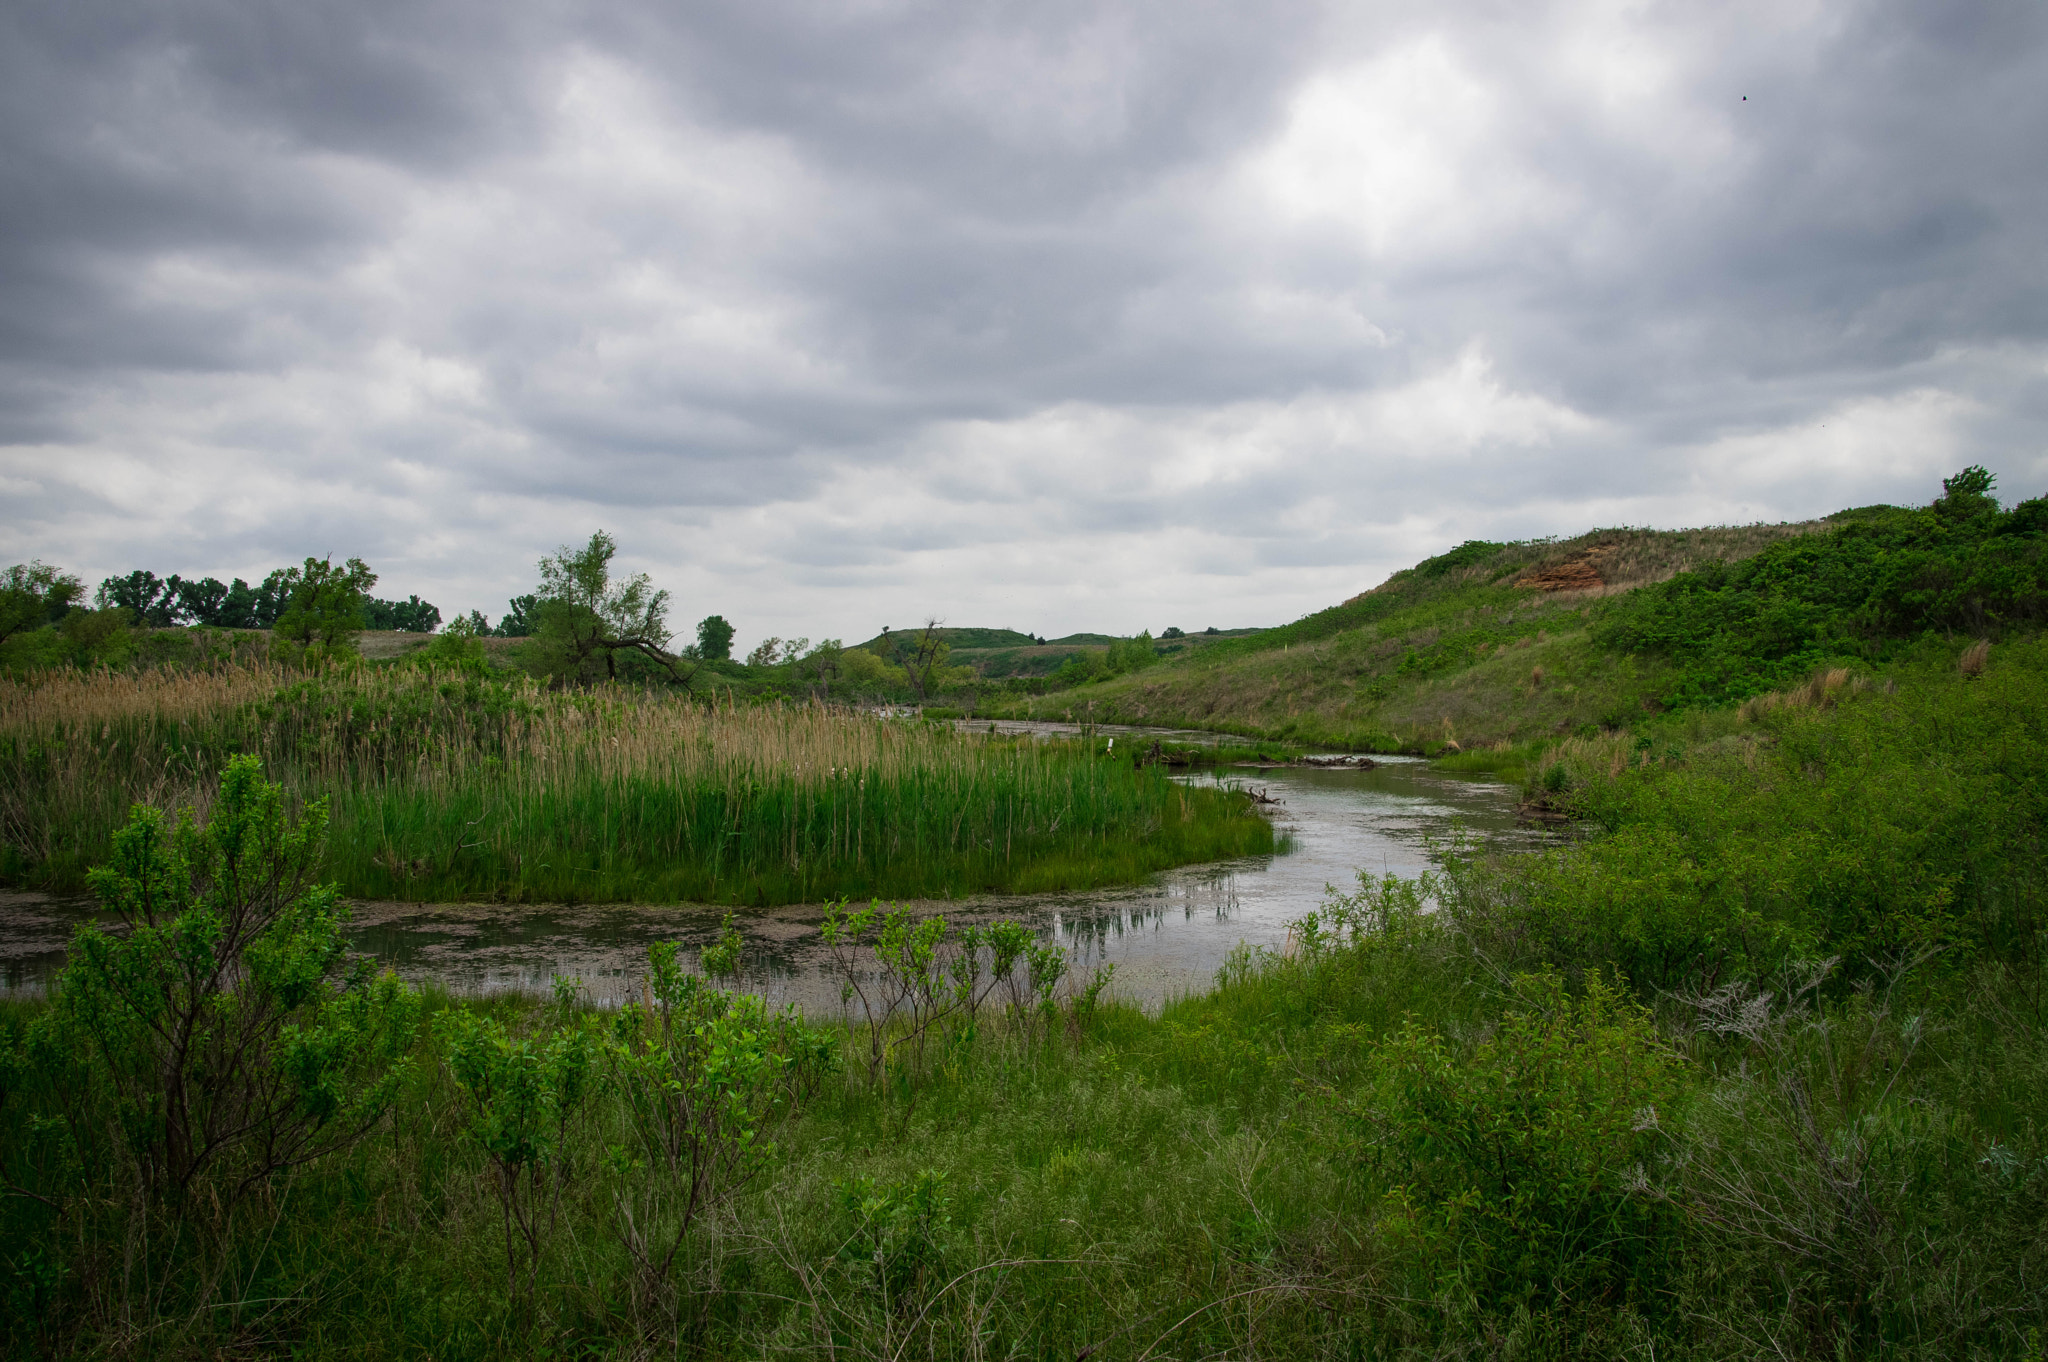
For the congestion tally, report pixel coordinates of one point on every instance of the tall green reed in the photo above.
(450, 785)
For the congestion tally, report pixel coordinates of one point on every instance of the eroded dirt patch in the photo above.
(1580, 572)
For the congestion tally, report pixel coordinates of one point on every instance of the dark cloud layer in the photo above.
(1055, 316)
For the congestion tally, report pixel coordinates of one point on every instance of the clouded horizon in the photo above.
(1099, 316)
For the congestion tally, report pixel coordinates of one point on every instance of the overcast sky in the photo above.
(1052, 316)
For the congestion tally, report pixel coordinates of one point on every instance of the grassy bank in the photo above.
(1755, 1070)
(462, 786)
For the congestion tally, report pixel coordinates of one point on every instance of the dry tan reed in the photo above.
(346, 727)
(1823, 690)
(462, 762)
(69, 701)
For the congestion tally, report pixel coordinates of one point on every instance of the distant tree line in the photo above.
(316, 608)
(583, 623)
(164, 602)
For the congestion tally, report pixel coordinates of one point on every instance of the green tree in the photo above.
(589, 624)
(923, 657)
(324, 604)
(1967, 493)
(34, 594)
(202, 600)
(823, 665)
(868, 671)
(252, 607)
(148, 599)
(96, 637)
(409, 616)
(519, 620)
(714, 638)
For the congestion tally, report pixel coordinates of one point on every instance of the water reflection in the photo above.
(1166, 936)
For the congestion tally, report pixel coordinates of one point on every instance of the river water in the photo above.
(1166, 936)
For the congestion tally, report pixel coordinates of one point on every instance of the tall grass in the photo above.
(456, 786)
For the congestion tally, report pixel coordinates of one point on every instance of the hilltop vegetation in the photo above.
(1514, 643)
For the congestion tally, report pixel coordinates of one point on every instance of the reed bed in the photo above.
(447, 786)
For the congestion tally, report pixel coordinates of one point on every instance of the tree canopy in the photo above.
(34, 594)
(324, 603)
(589, 626)
(714, 638)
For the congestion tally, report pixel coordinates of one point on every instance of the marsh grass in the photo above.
(448, 786)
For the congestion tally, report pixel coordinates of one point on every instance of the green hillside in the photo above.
(996, 654)
(1496, 643)
(885, 642)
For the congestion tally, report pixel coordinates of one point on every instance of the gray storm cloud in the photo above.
(1064, 316)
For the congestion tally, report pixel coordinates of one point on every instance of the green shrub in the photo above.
(1739, 630)
(527, 1091)
(1875, 827)
(896, 1233)
(700, 1074)
(1521, 1172)
(220, 1029)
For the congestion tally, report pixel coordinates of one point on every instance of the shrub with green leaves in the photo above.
(526, 1092)
(1877, 829)
(221, 1032)
(1521, 1171)
(913, 975)
(896, 1232)
(1893, 574)
(702, 1074)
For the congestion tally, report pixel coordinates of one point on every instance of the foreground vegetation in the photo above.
(455, 784)
(1754, 1070)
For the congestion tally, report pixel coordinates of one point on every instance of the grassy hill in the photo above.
(1000, 653)
(1505, 643)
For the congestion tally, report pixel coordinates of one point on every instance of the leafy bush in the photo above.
(896, 1232)
(701, 1073)
(526, 1092)
(1742, 629)
(1521, 1171)
(220, 1033)
(1871, 826)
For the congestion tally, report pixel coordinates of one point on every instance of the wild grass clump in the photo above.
(457, 785)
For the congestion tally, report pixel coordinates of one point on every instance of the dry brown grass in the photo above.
(1975, 658)
(74, 702)
(81, 747)
(1604, 753)
(1603, 562)
(1608, 561)
(1822, 690)
(616, 731)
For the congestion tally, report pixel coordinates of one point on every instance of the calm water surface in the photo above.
(1166, 936)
